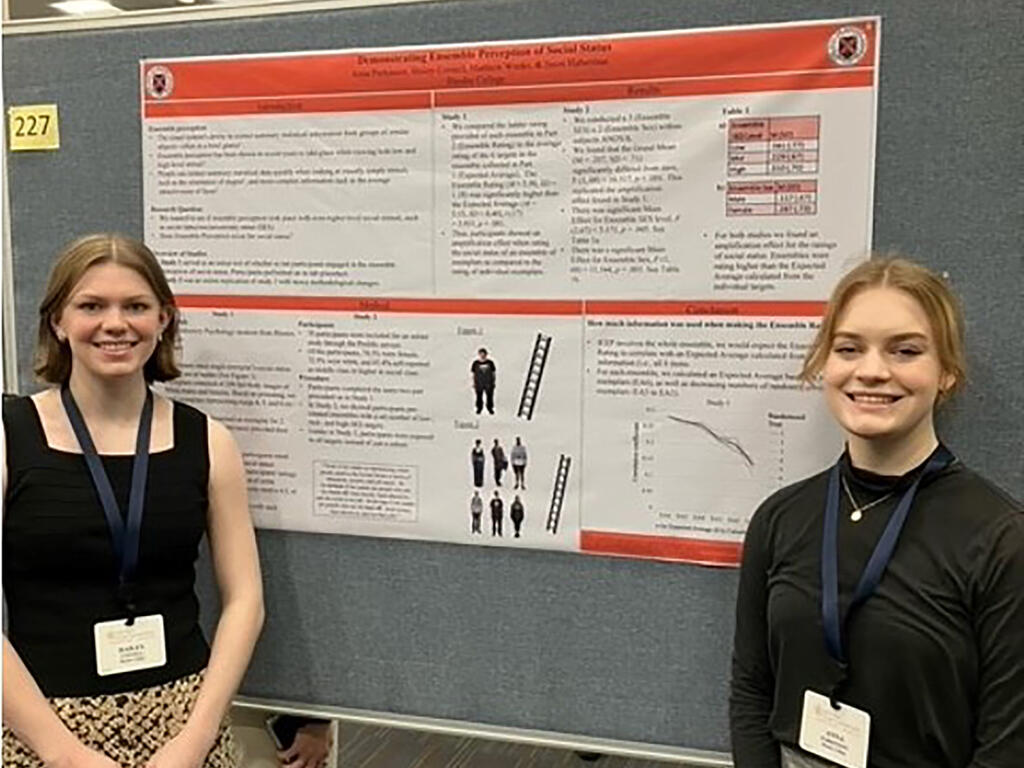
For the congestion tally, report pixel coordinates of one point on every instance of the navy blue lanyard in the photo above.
(124, 534)
(877, 563)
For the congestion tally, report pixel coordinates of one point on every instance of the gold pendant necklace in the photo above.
(858, 510)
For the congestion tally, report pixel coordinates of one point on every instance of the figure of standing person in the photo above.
(497, 512)
(518, 455)
(500, 462)
(517, 514)
(476, 459)
(485, 377)
(476, 511)
(887, 590)
(105, 663)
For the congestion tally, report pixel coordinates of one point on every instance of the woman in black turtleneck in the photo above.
(933, 654)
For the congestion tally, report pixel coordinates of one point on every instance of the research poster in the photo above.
(544, 293)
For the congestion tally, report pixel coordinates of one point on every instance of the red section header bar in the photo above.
(700, 551)
(742, 308)
(750, 55)
(645, 90)
(356, 102)
(384, 305)
(501, 306)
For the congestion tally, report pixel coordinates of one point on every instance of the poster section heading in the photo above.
(548, 293)
(656, 65)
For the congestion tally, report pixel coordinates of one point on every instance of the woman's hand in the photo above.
(29, 715)
(183, 751)
(80, 756)
(310, 748)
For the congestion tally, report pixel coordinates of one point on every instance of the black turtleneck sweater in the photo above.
(936, 654)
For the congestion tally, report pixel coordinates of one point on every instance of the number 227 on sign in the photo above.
(33, 127)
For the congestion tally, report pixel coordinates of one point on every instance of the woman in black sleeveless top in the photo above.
(104, 661)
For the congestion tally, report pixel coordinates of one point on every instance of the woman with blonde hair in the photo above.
(108, 490)
(880, 614)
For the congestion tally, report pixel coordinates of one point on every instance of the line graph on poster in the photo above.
(704, 472)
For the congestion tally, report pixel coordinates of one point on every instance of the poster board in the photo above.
(410, 273)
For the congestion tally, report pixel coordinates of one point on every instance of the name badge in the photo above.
(121, 648)
(839, 735)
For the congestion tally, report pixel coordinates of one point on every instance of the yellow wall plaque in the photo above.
(33, 127)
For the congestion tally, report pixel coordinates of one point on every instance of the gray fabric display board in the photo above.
(530, 639)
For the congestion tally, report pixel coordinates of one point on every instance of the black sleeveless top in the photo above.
(59, 571)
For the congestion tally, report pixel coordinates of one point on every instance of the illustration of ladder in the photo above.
(558, 495)
(536, 370)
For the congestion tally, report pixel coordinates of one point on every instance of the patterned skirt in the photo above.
(128, 727)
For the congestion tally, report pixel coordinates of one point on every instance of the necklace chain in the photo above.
(858, 509)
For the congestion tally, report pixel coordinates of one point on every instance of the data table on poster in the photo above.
(631, 235)
(771, 198)
(781, 146)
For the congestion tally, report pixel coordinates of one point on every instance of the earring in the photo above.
(61, 338)
(160, 337)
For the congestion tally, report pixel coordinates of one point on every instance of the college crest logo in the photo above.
(847, 46)
(159, 82)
